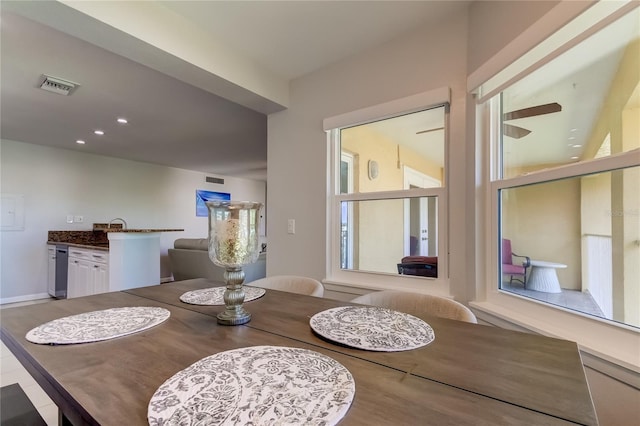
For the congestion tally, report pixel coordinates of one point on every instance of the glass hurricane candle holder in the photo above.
(233, 242)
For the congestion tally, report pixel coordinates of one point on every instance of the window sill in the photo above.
(610, 349)
(359, 283)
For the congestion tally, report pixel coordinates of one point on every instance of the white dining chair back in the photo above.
(292, 284)
(417, 304)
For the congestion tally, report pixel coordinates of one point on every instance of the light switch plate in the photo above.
(291, 226)
(69, 218)
(78, 219)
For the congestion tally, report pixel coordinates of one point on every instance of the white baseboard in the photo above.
(25, 298)
(166, 280)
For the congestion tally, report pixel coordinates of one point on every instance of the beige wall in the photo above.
(381, 242)
(619, 114)
(631, 245)
(595, 203)
(631, 206)
(381, 221)
(369, 145)
(543, 222)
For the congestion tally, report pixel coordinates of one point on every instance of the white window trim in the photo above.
(612, 342)
(393, 108)
(360, 281)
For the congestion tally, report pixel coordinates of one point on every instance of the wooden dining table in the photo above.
(469, 375)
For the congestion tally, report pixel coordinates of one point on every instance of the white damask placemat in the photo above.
(372, 328)
(257, 385)
(97, 325)
(215, 295)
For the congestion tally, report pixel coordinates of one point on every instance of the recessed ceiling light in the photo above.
(122, 120)
(573, 130)
(576, 146)
(571, 138)
(80, 142)
(574, 158)
(98, 132)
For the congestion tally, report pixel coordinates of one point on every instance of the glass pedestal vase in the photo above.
(233, 242)
(234, 313)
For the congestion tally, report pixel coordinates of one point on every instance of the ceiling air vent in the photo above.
(214, 180)
(57, 85)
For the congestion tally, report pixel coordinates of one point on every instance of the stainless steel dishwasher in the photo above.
(62, 268)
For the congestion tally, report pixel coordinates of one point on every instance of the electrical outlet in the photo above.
(78, 219)
(69, 218)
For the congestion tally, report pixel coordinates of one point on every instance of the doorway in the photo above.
(420, 216)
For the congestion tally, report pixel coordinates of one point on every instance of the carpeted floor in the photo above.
(16, 409)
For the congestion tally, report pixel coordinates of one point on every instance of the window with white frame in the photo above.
(388, 195)
(565, 175)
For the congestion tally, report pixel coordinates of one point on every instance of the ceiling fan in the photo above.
(429, 130)
(519, 132)
(510, 130)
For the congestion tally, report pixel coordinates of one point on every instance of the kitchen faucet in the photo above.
(124, 223)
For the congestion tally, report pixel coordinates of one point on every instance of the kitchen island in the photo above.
(134, 257)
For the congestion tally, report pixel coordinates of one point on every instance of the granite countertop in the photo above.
(95, 239)
(139, 230)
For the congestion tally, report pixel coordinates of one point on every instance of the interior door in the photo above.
(420, 216)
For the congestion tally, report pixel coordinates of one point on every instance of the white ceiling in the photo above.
(179, 111)
(294, 38)
(172, 122)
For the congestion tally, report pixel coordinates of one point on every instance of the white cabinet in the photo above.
(101, 278)
(88, 272)
(78, 278)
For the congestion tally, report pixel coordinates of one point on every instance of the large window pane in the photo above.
(582, 236)
(582, 105)
(388, 184)
(382, 151)
(377, 234)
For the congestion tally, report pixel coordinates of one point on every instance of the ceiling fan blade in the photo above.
(515, 131)
(429, 130)
(533, 111)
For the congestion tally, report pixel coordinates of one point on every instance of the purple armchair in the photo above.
(508, 268)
